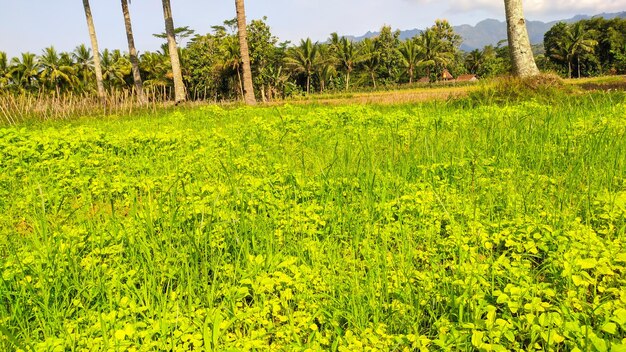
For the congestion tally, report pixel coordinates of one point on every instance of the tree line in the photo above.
(212, 66)
(590, 47)
(240, 60)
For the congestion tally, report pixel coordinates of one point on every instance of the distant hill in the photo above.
(490, 31)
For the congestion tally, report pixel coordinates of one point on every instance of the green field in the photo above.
(431, 226)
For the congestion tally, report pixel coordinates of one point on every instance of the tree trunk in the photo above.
(179, 86)
(96, 52)
(410, 75)
(347, 80)
(248, 89)
(132, 52)
(569, 69)
(308, 84)
(240, 84)
(519, 43)
(373, 78)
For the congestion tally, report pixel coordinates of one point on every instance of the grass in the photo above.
(441, 226)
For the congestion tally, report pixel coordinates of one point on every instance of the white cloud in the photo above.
(541, 8)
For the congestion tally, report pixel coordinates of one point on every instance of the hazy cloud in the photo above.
(541, 8)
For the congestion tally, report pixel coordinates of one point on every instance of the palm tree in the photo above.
(232, 61)
(94, 46)
(434, 54)
(55, 72)
(325, 66)
(156, 70)
(83, 61)
(25, 70)
(248, 89)
(371, 59)
(519, 43)
(347, 55)
(179, 86)
(132, 51)
(113, 70)
(411, 54)
(473, 61)
(574, 44)
(4, 70)
(303, 59)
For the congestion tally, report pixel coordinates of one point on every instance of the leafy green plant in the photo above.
(430, 226)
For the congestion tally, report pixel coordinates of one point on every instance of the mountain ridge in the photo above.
(491, 31)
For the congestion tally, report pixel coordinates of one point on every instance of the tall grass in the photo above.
(410, 227)
(17, 108)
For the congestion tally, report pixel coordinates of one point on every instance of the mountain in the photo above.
(490, 31)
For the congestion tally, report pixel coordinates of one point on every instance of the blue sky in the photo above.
(31, 25)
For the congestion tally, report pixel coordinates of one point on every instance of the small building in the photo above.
(467, 78)
(446, 76)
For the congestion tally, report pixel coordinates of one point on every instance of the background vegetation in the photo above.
(211, 62)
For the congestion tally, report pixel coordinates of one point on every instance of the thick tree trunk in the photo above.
(179, 86)
(132, 52)
(248, 89)
(519, 43)
(96, 52)
(348, 80)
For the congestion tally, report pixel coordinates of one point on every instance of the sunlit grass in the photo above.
(443, 225)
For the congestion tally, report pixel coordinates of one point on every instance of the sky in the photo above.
(35, 24)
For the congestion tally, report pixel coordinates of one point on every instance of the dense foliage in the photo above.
(415, 227)
(212, 67)
(587, 48)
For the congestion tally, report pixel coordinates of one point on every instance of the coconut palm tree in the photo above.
(371, 59)
(54, 72)
(434, 55)
(248, 89)
(232, 61)
(347, 55)
(156, 69)
(114, 67)
(4, 70)
(83, 62)
(325, 66)
(24, 71)
(132, 52)
(94, 46)
(411, 55)
(519, 43)
(179, 86)
(303, 59)
(473, 61)
(574, 43)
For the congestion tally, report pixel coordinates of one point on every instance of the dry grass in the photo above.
(604, 83)
(386, 97)
(15, 109)
(31, 107)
